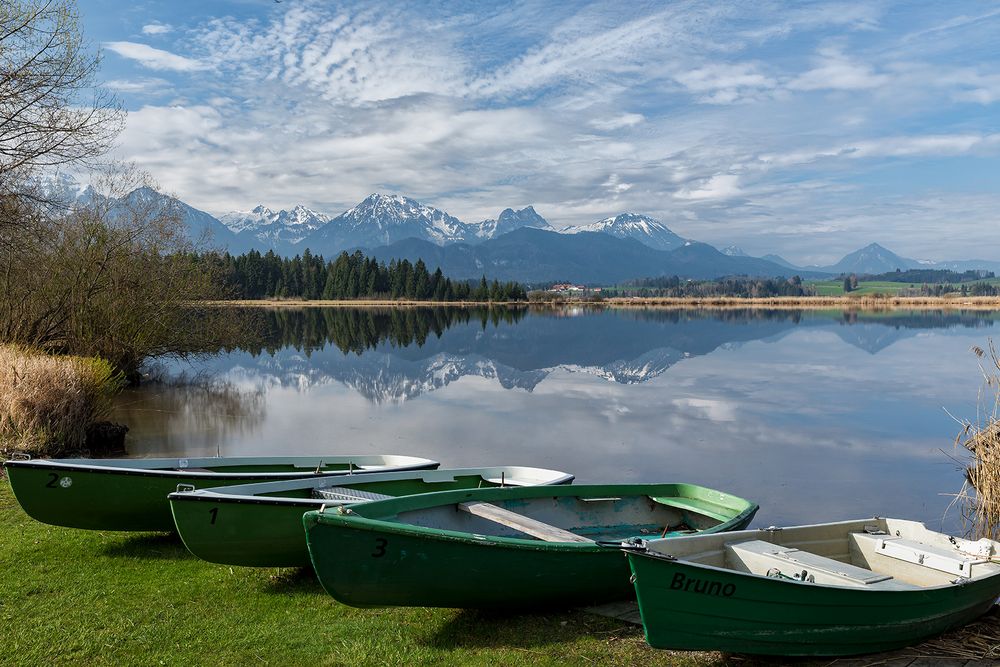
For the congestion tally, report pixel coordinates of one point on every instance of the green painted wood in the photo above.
(737, 612)
(100, 496)
(373, 554)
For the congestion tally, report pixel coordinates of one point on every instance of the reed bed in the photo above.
(979, 497)
(48, 402)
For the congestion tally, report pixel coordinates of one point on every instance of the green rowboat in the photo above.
(829, 589)
(512, 547)
(131, 494)
(260, 525)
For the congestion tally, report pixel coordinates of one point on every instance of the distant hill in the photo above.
(873, 258)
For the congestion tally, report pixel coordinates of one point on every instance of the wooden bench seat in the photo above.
(526, 525)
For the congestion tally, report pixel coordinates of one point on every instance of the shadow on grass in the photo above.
(148, 546)
(472, 628)
(293, 580)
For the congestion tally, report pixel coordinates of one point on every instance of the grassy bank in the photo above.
(69, 596)
(868, 287)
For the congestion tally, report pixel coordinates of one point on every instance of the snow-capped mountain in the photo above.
(734, 251)
(384, 219)
(273, 227)
(508, 221)
(642, 228)
(63, 189)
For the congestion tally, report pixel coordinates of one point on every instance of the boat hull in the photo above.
(366, 562)
(735, 612)
(103, 497)
(266, 531)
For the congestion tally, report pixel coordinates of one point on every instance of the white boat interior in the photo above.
(870, 554)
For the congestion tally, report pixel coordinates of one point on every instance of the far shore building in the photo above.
(569, 288)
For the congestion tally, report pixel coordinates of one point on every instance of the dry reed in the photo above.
(980, 494)
(47, 402)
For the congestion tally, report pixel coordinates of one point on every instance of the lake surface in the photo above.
(816, 415)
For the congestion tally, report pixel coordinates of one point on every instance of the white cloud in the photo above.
(836, 71)
(949, 144)
(724, 83)
(153, 58)
(614, 184)
(719, 186)
(617, 122)
(141, 85)
(156, 28)
(346, 58)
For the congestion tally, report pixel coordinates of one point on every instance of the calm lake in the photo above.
(816, 415)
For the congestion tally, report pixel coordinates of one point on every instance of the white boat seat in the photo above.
(347, 494)
(943, 559)
(760, 557)
(525, 524)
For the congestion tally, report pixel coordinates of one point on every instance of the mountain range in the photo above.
(517, 245)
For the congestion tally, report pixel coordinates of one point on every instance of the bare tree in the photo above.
(51, 114)
(112, 274)
(115, 276)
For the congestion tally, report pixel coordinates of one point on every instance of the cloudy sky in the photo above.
(807, 129)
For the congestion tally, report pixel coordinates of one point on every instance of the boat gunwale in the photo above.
(225, 494)
(359, 522)
(193, 473)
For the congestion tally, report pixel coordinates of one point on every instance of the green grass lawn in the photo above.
(103, 598)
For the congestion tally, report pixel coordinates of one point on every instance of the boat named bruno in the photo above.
(841, 588)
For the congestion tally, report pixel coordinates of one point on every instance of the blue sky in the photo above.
(807, 129)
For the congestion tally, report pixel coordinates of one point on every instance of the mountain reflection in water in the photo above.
(391, 355)
(841, 411)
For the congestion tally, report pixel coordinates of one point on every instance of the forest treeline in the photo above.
(253, 275)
